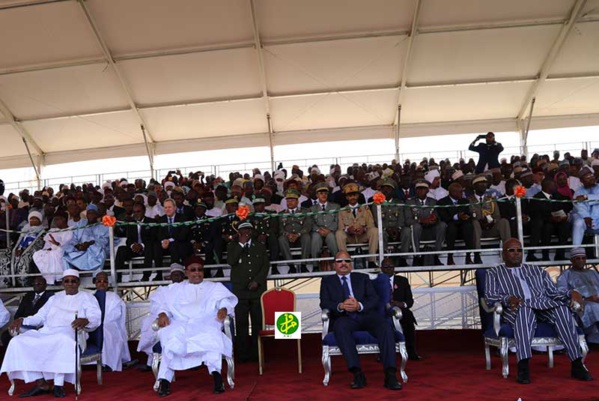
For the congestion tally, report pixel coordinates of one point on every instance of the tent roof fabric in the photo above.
(78, 80)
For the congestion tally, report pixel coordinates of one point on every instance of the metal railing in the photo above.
(324, 163)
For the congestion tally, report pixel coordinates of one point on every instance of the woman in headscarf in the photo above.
(563, 188)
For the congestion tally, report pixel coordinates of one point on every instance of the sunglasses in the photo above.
(342, 260)
(514, 250)
(70, 281)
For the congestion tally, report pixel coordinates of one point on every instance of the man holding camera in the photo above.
(488, 151)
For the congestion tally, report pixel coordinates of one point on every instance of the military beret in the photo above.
(351, 188)
(245, 224)
(422, 184)
(480, 178)
(388, 182)
(292, 193)
(232, 199)
(321, 186)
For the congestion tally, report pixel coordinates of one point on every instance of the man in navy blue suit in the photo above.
(352, 301)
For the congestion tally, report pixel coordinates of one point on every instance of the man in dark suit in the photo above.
(205, 237)
(141, 241)
(173, 239)
(249, 268)
(458, 220)
(182, 209)
(488, 152)
(401, 296)
(548, 218)
(507, 208)
(352, 301)
(30, 304)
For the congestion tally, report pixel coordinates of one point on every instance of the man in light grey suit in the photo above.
(323, 225)
(425, 222)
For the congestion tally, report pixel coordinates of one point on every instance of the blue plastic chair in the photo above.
(93, 345)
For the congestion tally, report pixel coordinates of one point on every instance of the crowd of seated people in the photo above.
(319, 212)
(183, 216)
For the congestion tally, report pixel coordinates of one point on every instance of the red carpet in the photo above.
(453, 369)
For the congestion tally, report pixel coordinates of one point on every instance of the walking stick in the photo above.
(76, 360)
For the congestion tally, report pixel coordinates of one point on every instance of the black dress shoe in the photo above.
(292, 269)
(372, 265)
(274, 271)
(468, 260)
(391, 381)
(304, 269)
(580, 372)
(59, 392)
(414, 357)
(417, 261)
(450, 261)
(531, 258)
(359, 380)
(438, 261)
(401, 262)
(164, 388)
(219, 386)
(523, 372)
(34, 391)
(477, 259)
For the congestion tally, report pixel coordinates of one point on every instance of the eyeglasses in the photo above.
(195, 269)
(73, 281)
(514, 250)
(342, 260)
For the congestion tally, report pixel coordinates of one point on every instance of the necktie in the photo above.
(170, 228)
(345, 287)
(293, 212)
(246, 248)
(354, 211)
(36, 298)
(323, 207)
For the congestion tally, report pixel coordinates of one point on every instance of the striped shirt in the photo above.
(532, 284)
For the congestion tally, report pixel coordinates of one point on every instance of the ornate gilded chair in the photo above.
(501, 335)
(228, 328)
(365, 342)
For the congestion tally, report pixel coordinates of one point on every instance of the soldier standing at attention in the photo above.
(249, 268)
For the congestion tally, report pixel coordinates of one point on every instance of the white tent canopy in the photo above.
(78, 79)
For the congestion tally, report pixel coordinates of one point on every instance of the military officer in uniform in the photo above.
(486, 218)
(424, 221)
(228, 225)
(294, 230)
(356, 224)
(323, 225)
(266, 229)
(205, 237)
(249, 268)
(393, 216)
